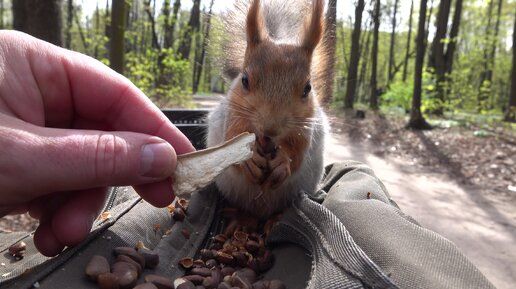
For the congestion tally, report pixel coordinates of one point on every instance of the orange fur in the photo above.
(294, 146)
(255, 27)
(314, 27)
(277, 76)
(270, 74)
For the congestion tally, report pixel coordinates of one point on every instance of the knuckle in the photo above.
(110, 151)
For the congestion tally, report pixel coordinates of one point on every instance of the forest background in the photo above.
(451, 59)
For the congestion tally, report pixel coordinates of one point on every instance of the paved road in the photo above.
(483, 230)
(207, 101)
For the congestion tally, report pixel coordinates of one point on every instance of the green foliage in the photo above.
(465, 89)
(445, 123)
(168, 83)
(429, 101)
(139, 70)
(158, 72)
(176, 88)
(6, 19)
(429, 105)
(214, 53)
(398, 95)
(168, 80)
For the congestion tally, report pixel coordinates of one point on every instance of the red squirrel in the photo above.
(274, 58)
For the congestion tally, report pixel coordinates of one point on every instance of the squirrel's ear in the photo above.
(255, 27)
(314, 27)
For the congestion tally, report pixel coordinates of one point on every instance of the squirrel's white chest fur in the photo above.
(242, 193)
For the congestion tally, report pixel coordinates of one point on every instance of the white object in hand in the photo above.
(196, 170)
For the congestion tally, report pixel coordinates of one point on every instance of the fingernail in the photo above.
(156, 160)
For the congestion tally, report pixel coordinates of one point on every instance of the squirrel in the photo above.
(275, 59)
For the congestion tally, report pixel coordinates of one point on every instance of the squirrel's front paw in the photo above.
(256, 168)
(279, 170)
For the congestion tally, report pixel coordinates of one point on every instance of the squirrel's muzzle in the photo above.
(265, 145)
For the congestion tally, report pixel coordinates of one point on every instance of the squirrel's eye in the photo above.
(308, 88)
(245, 81)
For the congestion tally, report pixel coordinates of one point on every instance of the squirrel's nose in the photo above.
(266, 144)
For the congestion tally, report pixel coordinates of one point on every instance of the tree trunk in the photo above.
(393, 42)
(150, 14)
(163, 78)
(165, 11)
(494, 43)
(116, 52)
(196, 59)
(492, 55)
(483, 89)
(207, 74)
(354, 57)
(454, 32)
(450, 50)
(364, 55)
(19, 15)
(344, 51)
(373, 100)
(107, 28)
(190, 30)
(173, 21)
(41, 19)
(69, 24)
(96, 31)
(441, 27)
(416, 118)
(146, 31)
(436, 60)
(197, 52)
(1, 14)
(491, 42)
(202, 58)
(409, 39)
(85, 43)
(132, 23)
(510, 114)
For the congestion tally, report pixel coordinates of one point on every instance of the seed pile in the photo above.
(126, 269)
(235, 259)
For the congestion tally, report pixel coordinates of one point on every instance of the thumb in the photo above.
(49, 160)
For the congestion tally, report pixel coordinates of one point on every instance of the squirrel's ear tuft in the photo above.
(255, 27)
(314, 27)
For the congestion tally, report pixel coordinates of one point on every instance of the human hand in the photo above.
(70, 127)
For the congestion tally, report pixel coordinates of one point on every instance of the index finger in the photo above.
(83, 89)
(118, 103)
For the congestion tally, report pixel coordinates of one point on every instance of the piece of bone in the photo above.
(198, 169)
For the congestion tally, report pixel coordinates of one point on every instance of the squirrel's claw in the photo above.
(256, 168)
(279, 170)
(268, 173)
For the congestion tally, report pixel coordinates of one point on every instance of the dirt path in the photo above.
(483, 229)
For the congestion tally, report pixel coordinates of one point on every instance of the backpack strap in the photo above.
(358, 217)
(338, 262)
